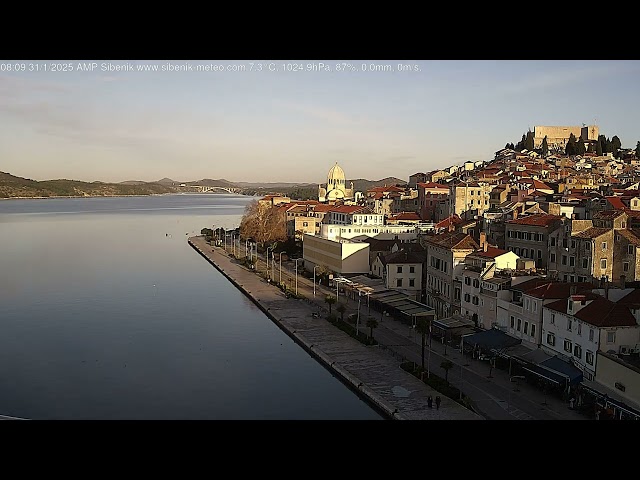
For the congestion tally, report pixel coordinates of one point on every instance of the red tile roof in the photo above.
(433, 185)
(406, 216)
(616, 203)
(452, 220)
(453, 240)
(491, 252)
(541, 220)
(539, 185)
(592, 232)
(558, 289)
(607, 214)
(348, 209)
(600, 312)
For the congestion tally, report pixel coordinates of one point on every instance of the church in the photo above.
(335, 188)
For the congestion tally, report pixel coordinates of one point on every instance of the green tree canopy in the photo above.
(571, 148)
(599, 148)
(545, 147)
(529, 143)
(638, 150)
(580, 148)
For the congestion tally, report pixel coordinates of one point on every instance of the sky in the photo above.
(291, 120)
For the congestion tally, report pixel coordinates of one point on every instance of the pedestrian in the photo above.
(430, 401)
(438, 400)
(571, 403)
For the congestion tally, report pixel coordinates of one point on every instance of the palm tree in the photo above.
(341, 308)
(423, 327)
(372, 323)
(446, 365)
(330, 300)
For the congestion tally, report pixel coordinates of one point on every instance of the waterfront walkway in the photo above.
(373, 372)
(492, 392)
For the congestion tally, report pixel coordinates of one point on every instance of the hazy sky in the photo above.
(292, 125)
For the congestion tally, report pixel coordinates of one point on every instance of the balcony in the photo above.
(510, 306)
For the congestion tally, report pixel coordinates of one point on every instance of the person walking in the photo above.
(438, 400)
(430, 401)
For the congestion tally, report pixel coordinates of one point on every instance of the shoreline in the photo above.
(115, 196)
(375, 377)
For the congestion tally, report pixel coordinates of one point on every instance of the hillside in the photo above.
(208, 182)
(362, 185)
(12, 186)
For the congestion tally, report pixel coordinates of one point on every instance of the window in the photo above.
(467, 280)
(587, 246)
(567, 346)
(553, 318)
(551, 339)
(412, 269)
(630, 248)
(399, 268)
(604, 245)
(533, 329)
(474, 300)
(589, 357)
(476, 283)
(573, 244)
(552, 257)
(564, 259)
(591, 334)
(398, 282)
(525, 252)
(519, 324)
(580, 329)
(513, 321)
(611, 337)
(526, 328)
(569, 320)
(603, 263)
(412, 282)
(625, 266)
(467, 297)
(553, 241)
(585, 263)
(535, 306)
(539, 254)
(572, 261)
(577, 351)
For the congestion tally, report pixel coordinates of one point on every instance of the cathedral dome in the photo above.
(336, 172)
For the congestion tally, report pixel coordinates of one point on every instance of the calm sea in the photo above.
(107, 313)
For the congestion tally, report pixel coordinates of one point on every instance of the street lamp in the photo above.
(273, 264)
(314, 280)
(233, 243)
(297, 275)
(246, 248)
(358, 320)
(281, 267)
(266, 257)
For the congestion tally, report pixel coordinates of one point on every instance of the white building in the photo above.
(401, 270)
(579, 326)
(337, 256)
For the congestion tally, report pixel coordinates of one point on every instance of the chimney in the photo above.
(483, 241)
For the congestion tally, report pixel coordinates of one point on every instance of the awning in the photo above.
(546, 374)
(556, 364)
(612, 396)
(492, 339)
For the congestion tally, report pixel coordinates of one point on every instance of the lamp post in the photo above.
(233, 244)
(314, 280)
(358, 320)
(266, 257)
(246, 248)
(297, 275)
(281, 267)
(273, 264)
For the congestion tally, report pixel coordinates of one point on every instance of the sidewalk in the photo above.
(496, 397)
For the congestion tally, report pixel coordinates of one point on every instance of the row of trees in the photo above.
(575, 146)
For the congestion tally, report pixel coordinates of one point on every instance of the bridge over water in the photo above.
(206, 189)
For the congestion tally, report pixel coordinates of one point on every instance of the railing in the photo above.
(514, 307)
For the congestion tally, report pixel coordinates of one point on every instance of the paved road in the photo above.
(496, 398)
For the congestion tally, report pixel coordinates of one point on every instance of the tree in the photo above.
(341, 308)
(638, 150)
(599, 148)
(446, 365)
(330, 300)
(590, 148)
(520, 145)
(608, 147)
(570, 149)
(372, 323)
(616, 145)
(423, 327)
(263, 222)
(545, 147)
(580, 148)
(529, 143)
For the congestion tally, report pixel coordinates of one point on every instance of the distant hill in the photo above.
(208, 182)
(130, 182)
(362, 185)
(166, 181)
(12, 186)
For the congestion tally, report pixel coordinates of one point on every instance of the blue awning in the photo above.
(573, 373)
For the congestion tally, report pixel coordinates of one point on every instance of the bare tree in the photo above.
(263, 222)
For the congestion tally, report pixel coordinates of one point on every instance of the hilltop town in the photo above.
(532, 256)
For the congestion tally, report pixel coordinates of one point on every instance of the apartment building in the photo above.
(402, 271)
(528, 236)
(446, 253)
(577, 327)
